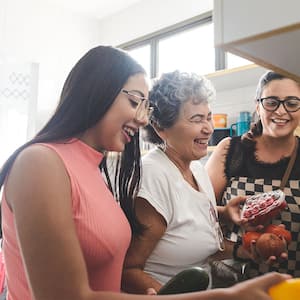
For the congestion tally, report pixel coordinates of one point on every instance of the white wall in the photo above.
(34, 31)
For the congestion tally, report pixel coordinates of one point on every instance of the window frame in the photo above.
(154, 38)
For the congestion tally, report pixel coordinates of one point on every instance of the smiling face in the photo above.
(119, 124)
(188, 137)
(279, 123)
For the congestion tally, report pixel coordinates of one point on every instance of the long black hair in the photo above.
(89, 91)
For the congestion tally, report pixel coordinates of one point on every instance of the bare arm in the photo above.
(134, 279)
(38, 192)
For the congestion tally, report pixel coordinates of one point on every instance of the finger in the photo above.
(271, 279)
(271, 260)
(151, 292)
(282, 226)
(244, 221)
(238, 200)
(284, 255)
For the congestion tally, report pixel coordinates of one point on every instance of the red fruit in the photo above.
(279, 231)
(248, 237)
(269, 244)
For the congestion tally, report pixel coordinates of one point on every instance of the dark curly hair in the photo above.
(168, 94)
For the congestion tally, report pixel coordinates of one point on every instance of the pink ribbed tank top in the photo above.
(102, 228)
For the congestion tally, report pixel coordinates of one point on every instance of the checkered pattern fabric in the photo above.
(290, 217)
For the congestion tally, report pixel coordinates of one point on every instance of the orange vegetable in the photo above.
(269, 244)
(279, 231)
(248, 237)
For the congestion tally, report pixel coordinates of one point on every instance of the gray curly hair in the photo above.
(167, 96)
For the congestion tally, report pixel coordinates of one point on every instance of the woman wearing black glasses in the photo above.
(257, 161)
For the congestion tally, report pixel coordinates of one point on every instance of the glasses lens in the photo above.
(270, 104)
(292, 104)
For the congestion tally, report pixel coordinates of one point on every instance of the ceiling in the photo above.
(94, 8)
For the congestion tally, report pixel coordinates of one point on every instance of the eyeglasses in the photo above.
(143, 109)
(291, 103)
(216, 227)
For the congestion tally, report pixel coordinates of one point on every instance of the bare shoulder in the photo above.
(223, 145)
(220, 152)
(36, 158)
(36, 168)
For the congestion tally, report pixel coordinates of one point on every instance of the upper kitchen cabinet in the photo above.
(266, 32)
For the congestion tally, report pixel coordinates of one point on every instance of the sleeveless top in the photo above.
(102, 228)
(246, 175)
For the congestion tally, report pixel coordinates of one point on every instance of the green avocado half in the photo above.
(190, 280)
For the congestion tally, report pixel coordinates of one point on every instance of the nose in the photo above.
(142, 121)
(281, 109)
(208, 128)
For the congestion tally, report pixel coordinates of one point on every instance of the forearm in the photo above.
(216, 294)
(232, 250)
(136, 281)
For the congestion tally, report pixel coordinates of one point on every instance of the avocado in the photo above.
(189, 280)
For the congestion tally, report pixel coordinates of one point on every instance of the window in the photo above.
(142, 55)
(191, 50)
(187, 46)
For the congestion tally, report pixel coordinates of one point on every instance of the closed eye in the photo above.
(201, 118)
(133, 103)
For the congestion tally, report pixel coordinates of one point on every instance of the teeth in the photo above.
(279, 121)
(130, 131)
(204, 142)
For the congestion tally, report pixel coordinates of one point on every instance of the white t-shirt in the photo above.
(189, 238)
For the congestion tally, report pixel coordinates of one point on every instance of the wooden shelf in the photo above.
(236, 77)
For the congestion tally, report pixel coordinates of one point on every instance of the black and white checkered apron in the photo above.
(290, 217)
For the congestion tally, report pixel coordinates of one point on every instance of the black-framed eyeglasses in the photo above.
(272, 103)
(143, 109)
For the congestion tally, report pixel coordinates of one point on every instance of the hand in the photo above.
(254, 255)
(232, 211)
(256, 288)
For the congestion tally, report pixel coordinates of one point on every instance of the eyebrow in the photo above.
(137, 91)
(200, 116)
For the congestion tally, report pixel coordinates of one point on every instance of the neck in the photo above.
(183, 167)
(181, 164)
(275, 148)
